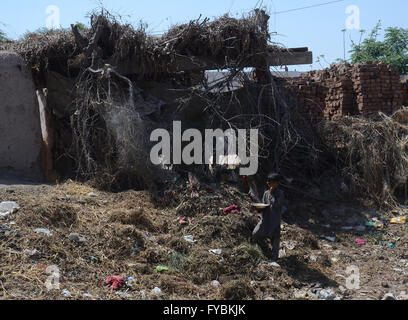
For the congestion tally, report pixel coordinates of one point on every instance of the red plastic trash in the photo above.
(115, 282)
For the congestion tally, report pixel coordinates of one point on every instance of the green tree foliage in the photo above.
(2, 36)
(392, 50)
(81, 26)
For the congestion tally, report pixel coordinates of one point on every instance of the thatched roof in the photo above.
(111, 42)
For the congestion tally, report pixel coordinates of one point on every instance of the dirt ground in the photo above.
(130, 234)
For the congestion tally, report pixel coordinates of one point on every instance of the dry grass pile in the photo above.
(38, 49)
(237, 290)
(372, 154)
(115, 42)
(126, 235)
(222, 37)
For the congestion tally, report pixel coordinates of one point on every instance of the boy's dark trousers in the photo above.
(275, 242)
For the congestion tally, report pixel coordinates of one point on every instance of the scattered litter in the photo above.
(304, 295)
(334, 259)
(5, 229)
(190, 239)
(347, 228)
(8, 207)
(290, 245)
(403, 296)
(216, 251)
(157, 292)
(399, 220)
(387, 244)
(398, 270)
(389, 296)
(115, 282)
(143, 294)
(88, 295)
(231, 209)
(131, 282)
(282, 253)
(92, 195)
(360, 242)
(327, 294)
(327, 226)
(313, 258)
(215, 284)
(45, 232)
(93, 259)
(66, 293)
(375, 224)
(331, 239)
(123, 294)
(161, 268)
(31, 253)
(184, 220)
(274, 264)
(76, 237)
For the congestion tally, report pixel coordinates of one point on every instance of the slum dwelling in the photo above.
(107, 87)
(103, 90)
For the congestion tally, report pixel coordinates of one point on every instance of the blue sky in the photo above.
(318, 28)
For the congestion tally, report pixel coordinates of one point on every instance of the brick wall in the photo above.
(344, 89)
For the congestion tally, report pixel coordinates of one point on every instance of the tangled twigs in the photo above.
(373, 154)
(108, 133)
(235, 101)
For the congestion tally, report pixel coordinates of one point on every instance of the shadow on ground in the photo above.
(300, 271)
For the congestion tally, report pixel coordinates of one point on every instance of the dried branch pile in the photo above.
(372, 154)
(110, 139)
(112, 42)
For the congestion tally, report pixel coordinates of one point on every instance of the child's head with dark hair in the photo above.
(274, 177)
(273, 180)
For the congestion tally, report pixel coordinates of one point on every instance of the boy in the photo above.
(269, 226)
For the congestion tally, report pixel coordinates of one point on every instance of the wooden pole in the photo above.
(47, 135)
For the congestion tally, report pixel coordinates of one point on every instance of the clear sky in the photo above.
(318, 27)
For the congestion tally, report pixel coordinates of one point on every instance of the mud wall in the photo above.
(20, 128)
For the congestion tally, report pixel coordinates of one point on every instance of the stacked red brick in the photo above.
(340, 99)
(311, 97)
(344, 89)
(327, 93)
(378, 88)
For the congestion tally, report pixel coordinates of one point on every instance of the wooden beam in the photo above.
(290, 58)
(296, 56)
